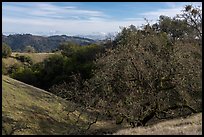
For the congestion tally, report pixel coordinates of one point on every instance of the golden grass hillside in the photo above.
(27, 110)
(32, 111)
(36, 58)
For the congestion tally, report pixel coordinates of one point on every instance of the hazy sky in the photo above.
(74, 18)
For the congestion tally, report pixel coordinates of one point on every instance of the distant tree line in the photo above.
(19, 42)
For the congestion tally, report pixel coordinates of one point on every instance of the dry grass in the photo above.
(38, 112)
(10, 61)
(34, 111)
(36, 57)
(191, 125)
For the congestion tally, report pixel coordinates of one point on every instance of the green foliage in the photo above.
(53, 70)
(25, 74)
(80, 53)
(24, 59)
(74, 59)
(59, 67)
(67, 49)
(81, 57)
(6, 50)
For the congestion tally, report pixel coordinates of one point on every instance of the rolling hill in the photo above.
(30, 110)
(18, 42)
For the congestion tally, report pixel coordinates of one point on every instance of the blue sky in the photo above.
(73, 18)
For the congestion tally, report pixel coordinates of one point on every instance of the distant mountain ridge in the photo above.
(18, 42)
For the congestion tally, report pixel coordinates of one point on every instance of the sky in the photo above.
(82, 18)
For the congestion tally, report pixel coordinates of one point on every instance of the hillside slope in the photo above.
(27, 110)
(30, 110)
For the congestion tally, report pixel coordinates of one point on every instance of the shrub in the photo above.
(25, 74)
(53, 70)
(24, 59)
(13, 68)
